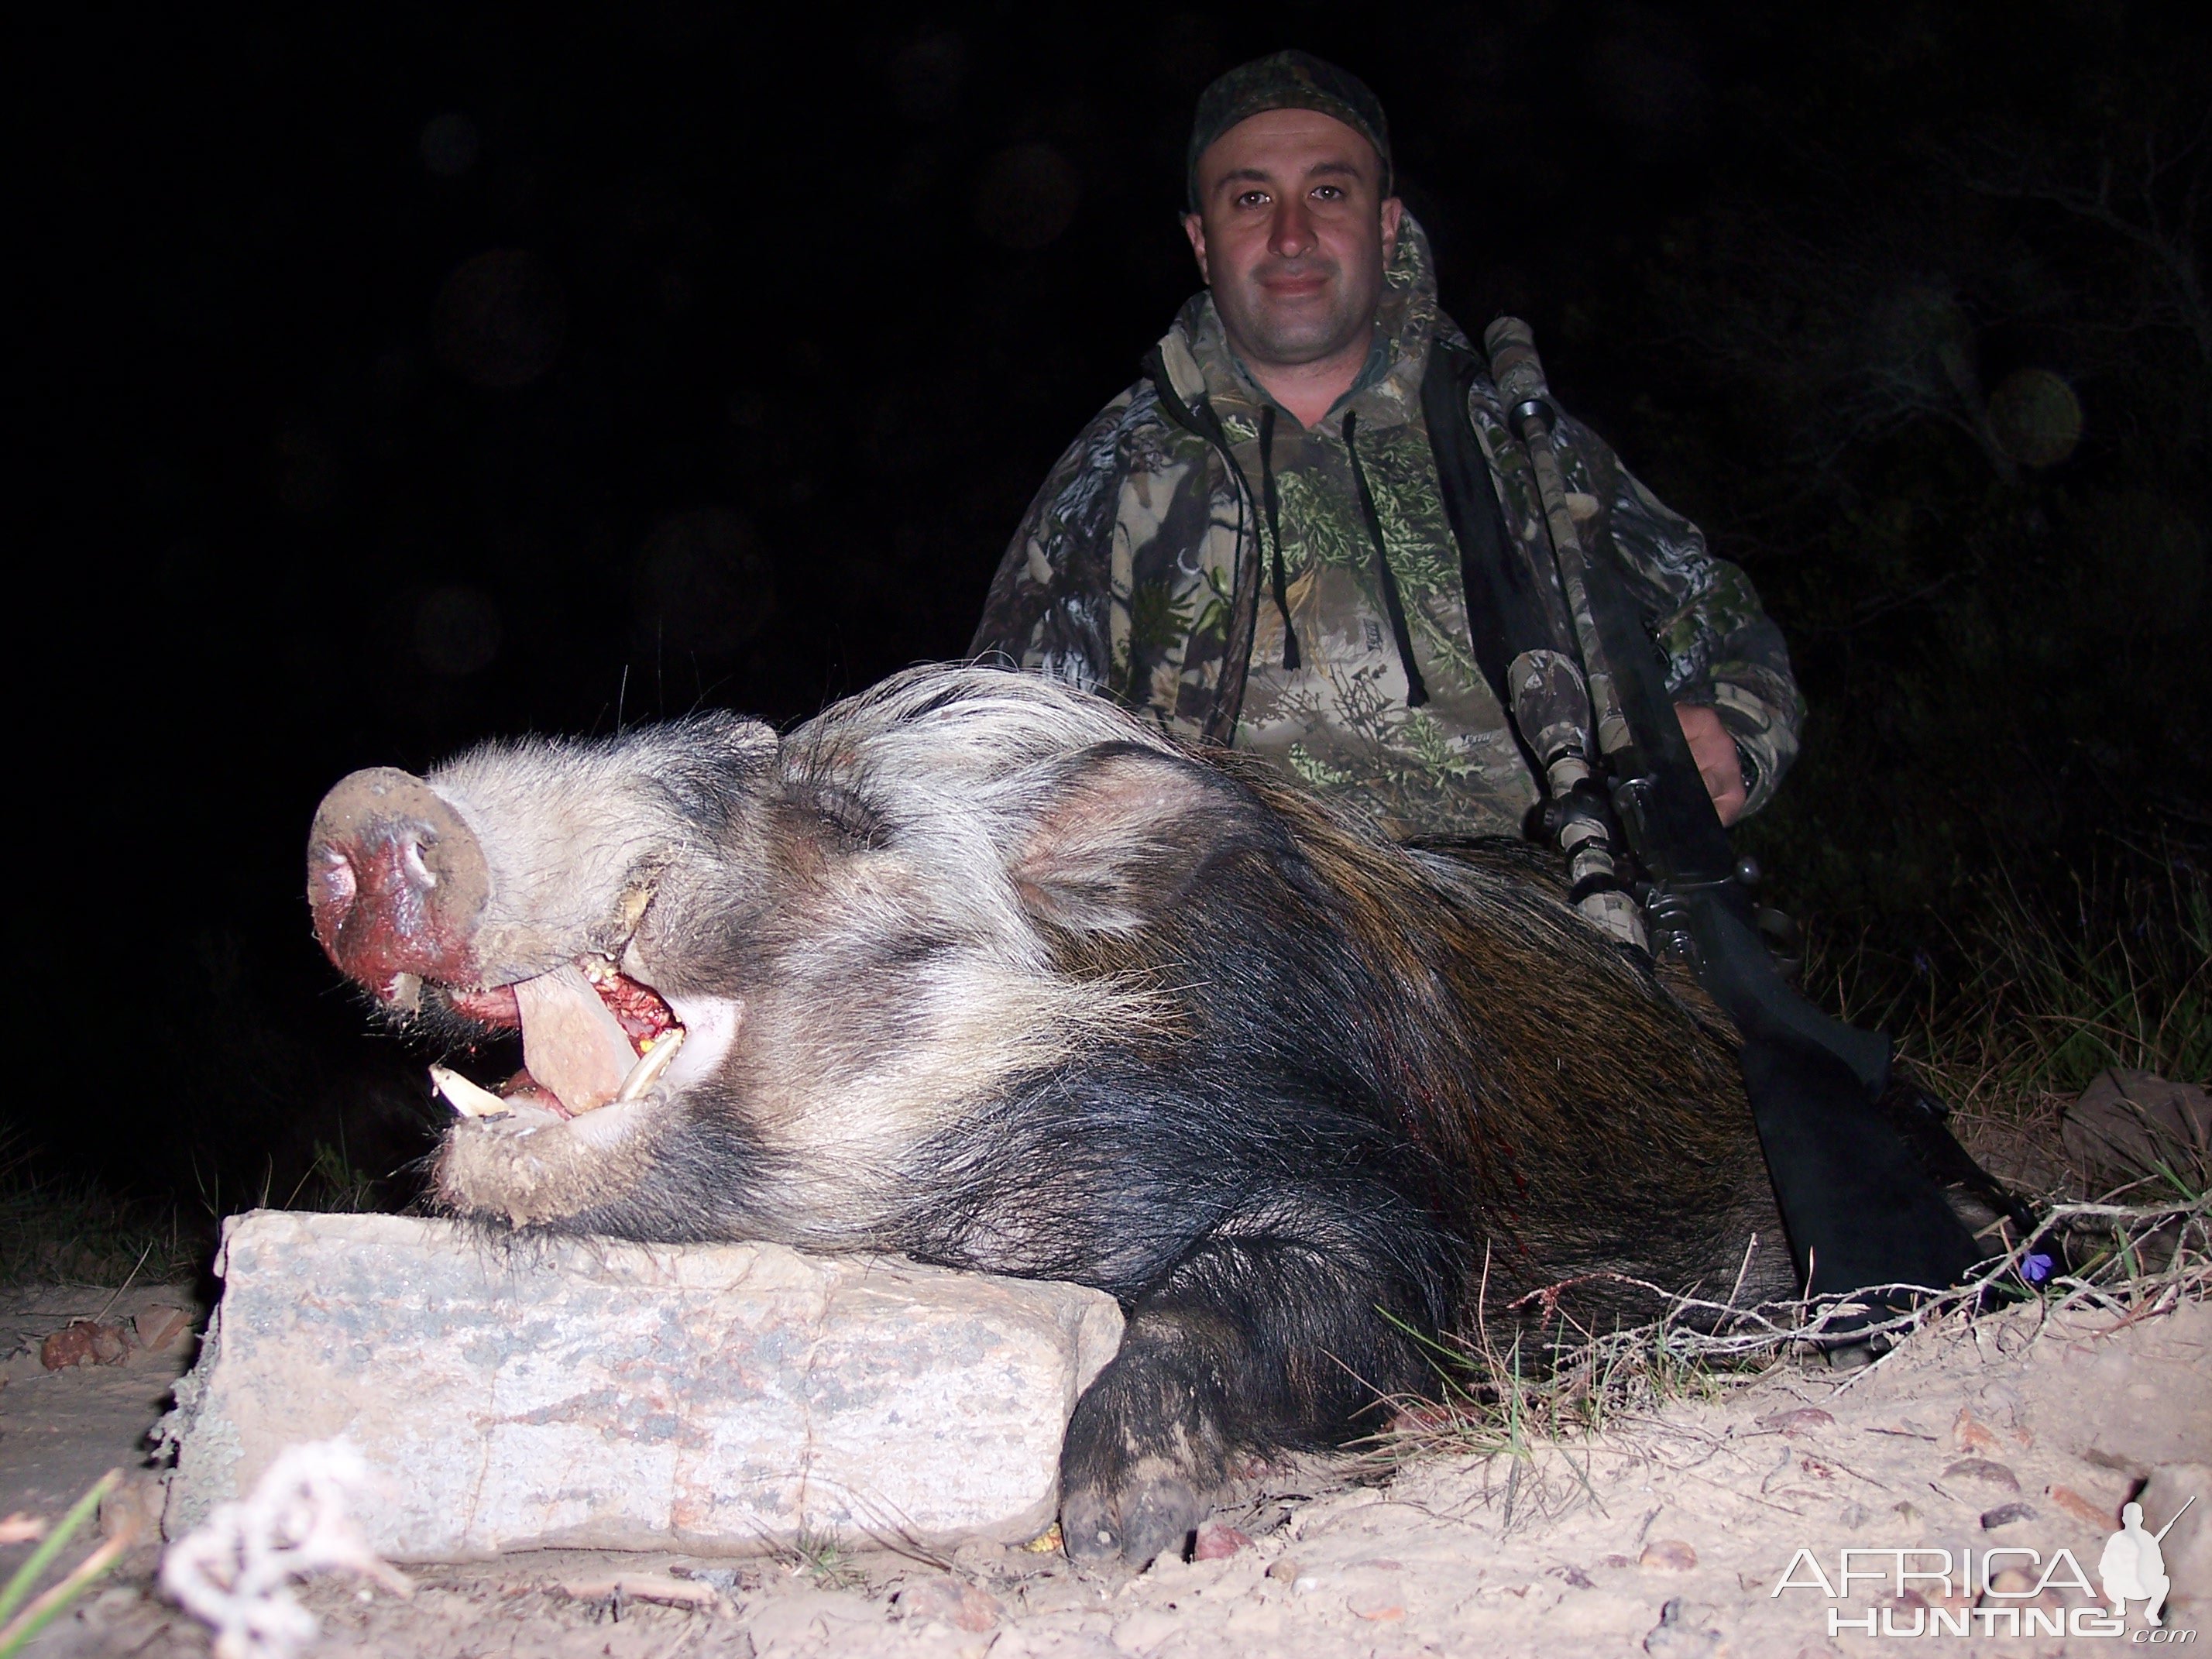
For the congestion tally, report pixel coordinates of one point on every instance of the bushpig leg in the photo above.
(1282, 1329)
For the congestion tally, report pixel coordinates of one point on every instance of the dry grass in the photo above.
(2115, 972)
(61, 1231)
(71, 1230)
(2133, 1261)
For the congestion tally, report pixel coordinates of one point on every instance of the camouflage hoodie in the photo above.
(1362, 676)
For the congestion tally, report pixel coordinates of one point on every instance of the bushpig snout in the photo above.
(396, 883)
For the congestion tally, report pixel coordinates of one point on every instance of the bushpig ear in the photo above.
(1124, 833)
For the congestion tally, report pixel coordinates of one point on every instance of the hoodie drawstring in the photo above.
(1267, 496)
(1417, 693)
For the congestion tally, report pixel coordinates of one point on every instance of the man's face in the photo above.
(1292, 236)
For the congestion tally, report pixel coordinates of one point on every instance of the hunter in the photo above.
(1251, 544)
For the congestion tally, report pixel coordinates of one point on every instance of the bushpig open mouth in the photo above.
(590, 1037)
(399, 884)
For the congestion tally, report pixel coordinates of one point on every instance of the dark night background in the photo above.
(399, 376)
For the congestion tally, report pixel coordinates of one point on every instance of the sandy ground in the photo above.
(1666, 1535)
(61, 1431)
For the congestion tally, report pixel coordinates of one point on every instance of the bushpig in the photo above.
(986, 970)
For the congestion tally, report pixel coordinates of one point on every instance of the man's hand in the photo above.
(1714, 751)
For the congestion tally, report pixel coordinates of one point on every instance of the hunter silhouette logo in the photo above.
(2132, 1565)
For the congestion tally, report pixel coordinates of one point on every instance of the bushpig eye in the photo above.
(853, 821)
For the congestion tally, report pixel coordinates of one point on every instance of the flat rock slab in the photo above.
(593, 1394)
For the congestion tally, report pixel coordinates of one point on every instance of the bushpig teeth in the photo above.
(467, 1097)
(572, 1042)
(651, 1064)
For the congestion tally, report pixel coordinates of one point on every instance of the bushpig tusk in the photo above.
(651, 1064)
(465, 1098)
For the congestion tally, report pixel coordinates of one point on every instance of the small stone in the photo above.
(160, 1330)
(1983, 1470)
(1969, 1434)
(1284, 1569)
(2005, 1514)
(641, 1587)
(69, 1346)
(1855, 1354)
(964, 1607)
(2072, 1502)
(1791, 1424)
(1575, 1576)
(1667, 1555)
(1217, 1542)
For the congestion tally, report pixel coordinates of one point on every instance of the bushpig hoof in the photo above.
(1143, 1458)
(1151, 1514)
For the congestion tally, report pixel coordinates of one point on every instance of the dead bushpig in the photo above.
(985, 971)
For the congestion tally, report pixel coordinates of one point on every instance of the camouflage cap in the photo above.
(1286, 80)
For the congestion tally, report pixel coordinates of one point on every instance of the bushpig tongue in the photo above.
(571, 1042)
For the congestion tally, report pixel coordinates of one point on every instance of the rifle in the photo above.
(1855, 1149)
